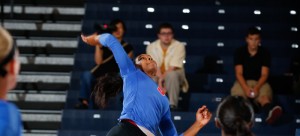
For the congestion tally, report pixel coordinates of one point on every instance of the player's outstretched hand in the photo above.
(92, 40)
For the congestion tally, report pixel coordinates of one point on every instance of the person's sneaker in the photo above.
(274, 114)
(81, 106)
(173, 107)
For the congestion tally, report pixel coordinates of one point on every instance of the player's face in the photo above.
(147, 63)
(253, 41)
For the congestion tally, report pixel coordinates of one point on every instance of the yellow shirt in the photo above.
(162, 67)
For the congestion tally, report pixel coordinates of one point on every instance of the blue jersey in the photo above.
(10, 120)
(144, 102)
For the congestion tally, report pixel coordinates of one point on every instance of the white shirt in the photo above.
(175, 54)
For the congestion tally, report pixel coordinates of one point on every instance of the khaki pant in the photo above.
(265, 90)
(173, 82)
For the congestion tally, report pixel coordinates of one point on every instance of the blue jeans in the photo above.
(86, 81)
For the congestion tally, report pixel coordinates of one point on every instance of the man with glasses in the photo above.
(169, 55)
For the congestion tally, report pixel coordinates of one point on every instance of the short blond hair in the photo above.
(6, 43)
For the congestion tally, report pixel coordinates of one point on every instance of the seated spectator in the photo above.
(10, 119)
(169, 55)
(252, 63)
(235, 116)
(105, 63)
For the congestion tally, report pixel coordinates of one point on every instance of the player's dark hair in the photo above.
(235, 114)
(106, 87)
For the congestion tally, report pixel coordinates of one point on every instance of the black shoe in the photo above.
(274, 114)
(174, 108)
(81, 106)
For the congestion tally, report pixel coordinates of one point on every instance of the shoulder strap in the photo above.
(107, 59)
(111, 56)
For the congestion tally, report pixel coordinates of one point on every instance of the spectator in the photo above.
(235, 116)
(105, 64)
(169, 55)
(252, 63)
(10, 119)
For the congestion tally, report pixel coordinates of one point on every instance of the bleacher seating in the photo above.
(207, 28)
(46, 35)
(297, 132)
(99, 122)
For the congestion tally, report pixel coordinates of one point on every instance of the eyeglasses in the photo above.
(166, 34)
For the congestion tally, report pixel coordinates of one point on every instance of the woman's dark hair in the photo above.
(117, 21)
(234, 114)
(106, 86)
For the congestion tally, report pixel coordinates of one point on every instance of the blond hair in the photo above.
(6, 43)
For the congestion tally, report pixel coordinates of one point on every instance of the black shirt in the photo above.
(252, 65)
(111, 65)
